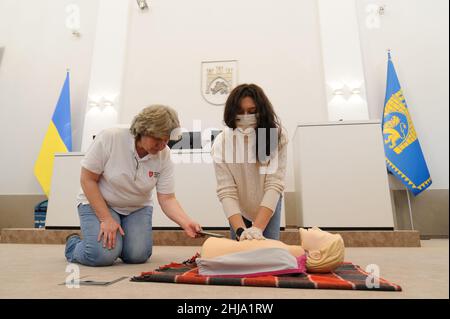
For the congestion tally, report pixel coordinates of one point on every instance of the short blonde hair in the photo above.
(331, 257)
(155, 120)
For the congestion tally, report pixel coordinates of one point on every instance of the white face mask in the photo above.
(246, 121)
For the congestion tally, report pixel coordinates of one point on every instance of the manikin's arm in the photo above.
(214, 247)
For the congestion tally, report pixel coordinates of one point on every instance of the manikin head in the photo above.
(325, 250)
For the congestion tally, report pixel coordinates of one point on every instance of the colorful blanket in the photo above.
(347, 276)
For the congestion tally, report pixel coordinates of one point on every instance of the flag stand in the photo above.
(410, 210)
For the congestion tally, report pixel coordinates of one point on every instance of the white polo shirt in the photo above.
(127, 181)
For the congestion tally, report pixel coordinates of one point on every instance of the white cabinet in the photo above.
(340, 176)
(195, 187)
(62, 202)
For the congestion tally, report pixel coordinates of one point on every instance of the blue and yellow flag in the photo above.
(58, 139)
(404, 155)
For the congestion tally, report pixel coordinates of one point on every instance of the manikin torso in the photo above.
(214, 247)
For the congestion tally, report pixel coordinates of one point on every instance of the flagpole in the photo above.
(410, 210)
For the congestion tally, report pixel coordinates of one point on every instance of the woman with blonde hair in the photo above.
(119, 172)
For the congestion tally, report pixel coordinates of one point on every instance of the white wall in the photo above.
(342, 60)
(417, 32)
(277, 46)
(107, 71)
(38, 49)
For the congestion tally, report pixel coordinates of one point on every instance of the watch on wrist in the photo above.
(239, 232)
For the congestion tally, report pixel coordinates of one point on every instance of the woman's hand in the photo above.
(252, 233)
(108, 230)
(192, 228)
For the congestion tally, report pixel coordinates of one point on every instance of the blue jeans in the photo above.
(272, 230)
(133, 248)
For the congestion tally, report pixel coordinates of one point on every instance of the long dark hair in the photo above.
(265, 114)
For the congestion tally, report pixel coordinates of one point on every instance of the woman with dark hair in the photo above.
(250, 164)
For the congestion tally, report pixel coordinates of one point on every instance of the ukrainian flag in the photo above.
(404, 155)
(58, 139)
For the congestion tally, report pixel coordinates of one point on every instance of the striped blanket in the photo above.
(347, 276)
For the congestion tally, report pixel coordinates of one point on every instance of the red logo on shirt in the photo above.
(153, 174)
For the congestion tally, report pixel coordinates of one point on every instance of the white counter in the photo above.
(340, 175)
(195, 187)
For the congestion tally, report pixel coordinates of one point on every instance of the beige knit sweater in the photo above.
(242, 184)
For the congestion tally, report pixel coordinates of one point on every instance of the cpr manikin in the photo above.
(324, 251)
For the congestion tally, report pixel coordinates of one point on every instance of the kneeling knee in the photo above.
(103, 257)
(136, 257)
